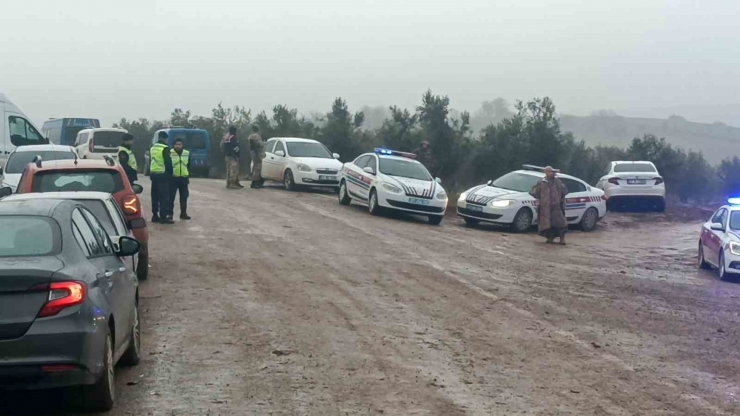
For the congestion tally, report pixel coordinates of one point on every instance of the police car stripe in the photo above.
(358, 183)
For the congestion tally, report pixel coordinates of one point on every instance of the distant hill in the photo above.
(717, 141)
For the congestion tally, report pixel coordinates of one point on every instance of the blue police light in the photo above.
(383, 151)
(733, 201)
(389, 152)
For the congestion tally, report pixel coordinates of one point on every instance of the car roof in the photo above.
(100, 196)
(295, 139)
(43, 148)
(619, 162)
(80, 164)
(41, 207)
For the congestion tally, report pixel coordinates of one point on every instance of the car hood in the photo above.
(484, 194)
(416, 187)
(10, 179)
(319, 163)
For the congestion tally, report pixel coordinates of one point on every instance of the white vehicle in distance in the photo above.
(300, 162)
(719, 242)
(387, 179)
(633, 182)
(98, 142)
(16, 129)
(22, 156)
(506, 201)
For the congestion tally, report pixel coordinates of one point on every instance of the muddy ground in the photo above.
(278, 303)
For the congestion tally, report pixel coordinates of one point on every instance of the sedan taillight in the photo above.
(658, 180)
(614, 181)
(62, 295)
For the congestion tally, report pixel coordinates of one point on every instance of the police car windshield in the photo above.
(308, 149)
(516, 181)
(18, 160)
(404, 169)
(735, 220)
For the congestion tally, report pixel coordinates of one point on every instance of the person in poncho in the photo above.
(550, 192)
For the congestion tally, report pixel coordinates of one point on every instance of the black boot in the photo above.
(185, 216)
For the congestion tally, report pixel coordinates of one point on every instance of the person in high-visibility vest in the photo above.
(160, 172)
(127, 159)
(180, 178)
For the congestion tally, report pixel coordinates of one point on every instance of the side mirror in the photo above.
(489, 183)
(335, 155)
(715, 225)
(369, 170)
(127, 246)
(6, 191)
(439, 181)
(280, 153)
(137, 188)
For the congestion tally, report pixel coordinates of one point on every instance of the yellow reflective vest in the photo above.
(156, 156)
(180, 164)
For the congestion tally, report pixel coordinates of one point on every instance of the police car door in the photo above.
(576, 200)
(353, 177)
(367, 177)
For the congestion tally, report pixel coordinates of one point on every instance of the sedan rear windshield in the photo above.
(404, 169)
(634, 167)
(28, 236)
(516, 181)
(308, 149)
(109, 139)
(18, 160)
(78, 181)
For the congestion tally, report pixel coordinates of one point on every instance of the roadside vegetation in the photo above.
(530, 134)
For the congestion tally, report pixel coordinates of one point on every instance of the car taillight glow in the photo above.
(131, 205)
(62, 295)
(614, 181)
(658, 180)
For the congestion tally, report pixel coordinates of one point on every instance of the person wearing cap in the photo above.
(180, 178)
(230, 146)
(160, 172)
(127, 159)
(550, 192)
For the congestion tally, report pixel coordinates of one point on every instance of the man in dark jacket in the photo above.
(127, 159)
(160, 172)
(231, 149)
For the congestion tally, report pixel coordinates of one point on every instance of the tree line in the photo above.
(530, 134)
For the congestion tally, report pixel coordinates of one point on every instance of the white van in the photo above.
(99, 142)
(16, 129)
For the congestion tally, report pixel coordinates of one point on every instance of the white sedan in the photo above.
(635, 181)
(300, 162)
(507, 201)
(387, 179)
(719, 242)
(23, 155)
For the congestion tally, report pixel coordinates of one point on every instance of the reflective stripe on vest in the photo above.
(156, 156)
(180, 164)
(131, 157)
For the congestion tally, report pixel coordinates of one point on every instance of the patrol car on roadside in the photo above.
(507, 201)
(719, 242)
(388, 179)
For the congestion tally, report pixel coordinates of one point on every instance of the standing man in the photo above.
(551, 192)
(160, 172)
(180, 178)
(127, 159)
(231, 149)
(257, 146)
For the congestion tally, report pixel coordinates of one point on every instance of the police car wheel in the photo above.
(702, 262)
(344, 197)
(372, 204)
(723, 275)
(589, 219)
(522, 221)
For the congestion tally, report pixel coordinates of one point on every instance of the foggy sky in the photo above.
(142, 58)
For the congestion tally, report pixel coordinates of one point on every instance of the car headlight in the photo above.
(463, 196)
(502, 203)
(442, 195)
(735, 248)
(392, 188)
(304, 168)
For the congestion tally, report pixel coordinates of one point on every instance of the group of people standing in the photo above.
(231, 149)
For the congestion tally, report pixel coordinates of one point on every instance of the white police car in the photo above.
(387, 179)
(507, 201)
(719, 242)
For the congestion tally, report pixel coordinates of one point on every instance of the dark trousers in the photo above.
(161, 195)
(180, 185)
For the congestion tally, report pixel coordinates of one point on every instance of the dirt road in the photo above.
(278, 303)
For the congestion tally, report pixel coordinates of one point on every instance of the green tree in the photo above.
(340, 128)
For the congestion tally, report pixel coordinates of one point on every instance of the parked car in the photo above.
(22, 156)
(97, 176)
(393, 180)
(16, 129)
(636, 182)
(64, 131)
(99, 142)
(719, 241)
(196, 141)
(68, 304)
(507, 201)
(101, 204)
(300, 163)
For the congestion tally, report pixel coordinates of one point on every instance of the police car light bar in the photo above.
(733, 201)
(538, 168)
(390, 152)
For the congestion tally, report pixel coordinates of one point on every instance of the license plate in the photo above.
(475, 208)
(418, 201)
(636, 182)
(327, 178)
